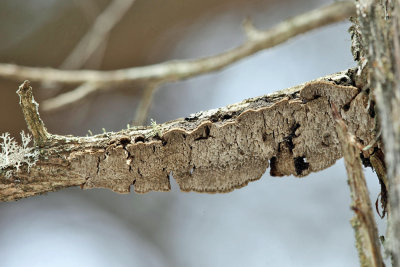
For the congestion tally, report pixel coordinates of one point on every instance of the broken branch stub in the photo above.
(214, 151)
(30, 108)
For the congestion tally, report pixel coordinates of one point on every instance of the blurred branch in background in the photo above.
(175, 70)
(145, 103)
(97, 35)
(74, 96)
(93, 44)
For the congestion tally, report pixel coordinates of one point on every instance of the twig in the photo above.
(70, 97)
(92, 45)
(99, 32)
(183, 69)
(144, 104)
(30, 109)
(367, 239)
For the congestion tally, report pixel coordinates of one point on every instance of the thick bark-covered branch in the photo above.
(292, 131)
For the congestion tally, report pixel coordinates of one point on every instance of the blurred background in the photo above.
(272, 222)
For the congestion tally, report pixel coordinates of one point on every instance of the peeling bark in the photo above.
(212, 151)
(379, 43)
(366, 232)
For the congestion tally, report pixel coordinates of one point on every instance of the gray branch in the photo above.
(215, 151)
(363, 222)
(30, 108)
(179, 69)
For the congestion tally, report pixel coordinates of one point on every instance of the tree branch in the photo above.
(291, 131)
(144, 105)
(74, 96)
(182, 69)
(99, 31)
(30, 108)
(367, 239)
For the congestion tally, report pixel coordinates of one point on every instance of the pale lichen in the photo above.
(13, 155)
(155, 129)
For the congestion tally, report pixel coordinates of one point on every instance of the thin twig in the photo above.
(30, 109)
(92, 45)
(367, 239)
(70, 97)
(183, 69)
(144, 104)
(96, 35)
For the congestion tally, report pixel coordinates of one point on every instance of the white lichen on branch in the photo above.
(155, 129)
(13, 155)
(215, 151)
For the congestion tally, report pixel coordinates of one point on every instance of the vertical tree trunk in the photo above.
(379, 56)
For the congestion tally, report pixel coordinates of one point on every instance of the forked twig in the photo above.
(183, 69)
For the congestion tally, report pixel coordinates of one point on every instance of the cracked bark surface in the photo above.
(378, 42)
(291, 131)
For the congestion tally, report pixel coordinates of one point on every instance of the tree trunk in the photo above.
(379, 58)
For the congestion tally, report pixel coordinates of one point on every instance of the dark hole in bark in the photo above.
(125, 141)
(139, 139)
(371, 110)
(272, 164)
(365, 161)
(214, 118)
(205, 135)
(300, 165)
(264, 137)
(289, 139)
(227, 116)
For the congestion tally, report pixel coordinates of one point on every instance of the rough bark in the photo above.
(380, 46)
(31, 113)
(214, 151)
(366, 232)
